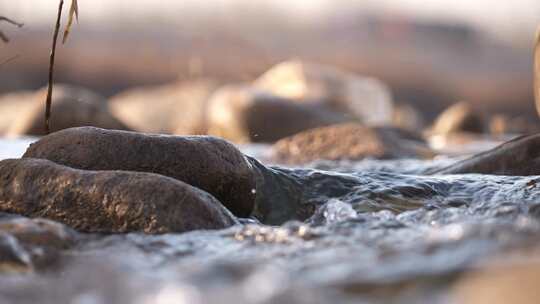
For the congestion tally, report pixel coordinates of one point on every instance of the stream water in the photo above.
(380, 232)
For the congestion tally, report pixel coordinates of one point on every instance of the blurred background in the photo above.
(430, 53)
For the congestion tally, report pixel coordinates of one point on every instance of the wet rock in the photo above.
(71, 107)
(243, 114)
(38, 232)
(518, 157)
(460, 117)
(177, 108)
(208, 163)
(40, 241)
(364, 98)
(13, 257)
(350, 141)
(107, 201)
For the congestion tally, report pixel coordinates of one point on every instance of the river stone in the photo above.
(107, 201)
(519, 157)
(364, 98)
(41, 240)
(38, 231)
(71, 107)
(350, 141)
(243, 114)
(208, 163)
(460, 117)
(176, 108)
(13, 257)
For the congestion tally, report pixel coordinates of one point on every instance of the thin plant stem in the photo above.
(48, 102)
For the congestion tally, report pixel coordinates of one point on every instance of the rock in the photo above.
(208, 163)
(406, 117)
(519, 157)
(40, 241)
(459, 117)
(71, 107)
(501, 124)
(177, 108)
(350, 141)
(13, 106)
(38, 232)
(464, 143)
(13, 257)
(243, 114)
(107, 201)
(364, 98)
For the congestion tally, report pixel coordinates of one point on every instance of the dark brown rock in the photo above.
(71, 107)
(520, 156)
(107, 201)
(244, 114)
(350, 141)
(176, 108)
(208, 163)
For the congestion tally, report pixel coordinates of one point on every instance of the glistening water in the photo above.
(377, 232)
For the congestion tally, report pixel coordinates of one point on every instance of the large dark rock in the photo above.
(208, 163)
(350, 141)
(107, 201)
(520, 156)
(71, 107)
(244, 114)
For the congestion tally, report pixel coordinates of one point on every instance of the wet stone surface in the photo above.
(379, 232)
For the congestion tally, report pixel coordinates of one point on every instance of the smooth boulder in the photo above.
(176, 108)
(244, 114)
(208, 163)
(460, 117)
(363, 98)
(71, 107)
(350, 141)
(107, 201)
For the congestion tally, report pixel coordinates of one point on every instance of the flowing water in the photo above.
(372, 232)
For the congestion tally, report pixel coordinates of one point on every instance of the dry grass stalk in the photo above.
(73, 14)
